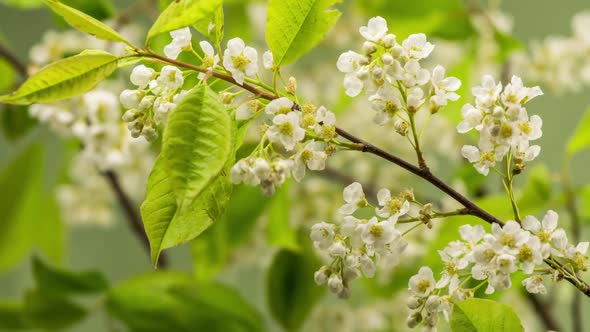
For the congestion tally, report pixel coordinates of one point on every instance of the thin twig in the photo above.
(14, 61)
(133, 216)
(361, 145)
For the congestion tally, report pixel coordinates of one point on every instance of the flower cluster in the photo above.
(302, 132)
(560, 62)
(503, 123)
(491, 258)
(157, 95)
(393, 76)
(357, 245)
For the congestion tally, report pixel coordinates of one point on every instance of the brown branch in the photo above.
(14, 61)
(544, 313)
(361, 145)
(133, 217)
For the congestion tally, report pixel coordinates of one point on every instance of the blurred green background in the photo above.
(118, 254)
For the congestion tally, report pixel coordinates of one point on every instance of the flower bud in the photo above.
(387, 59)
(345, 293)
(401, 127)
(350, 273)
(335, 283)
(414, 302)
(388, 40)
(369, 48)
(321, 276)
(227, 98)
(291, 85)
(337, 249)
(150, 133)
(129, 98)
(414, 319)
(130, 116)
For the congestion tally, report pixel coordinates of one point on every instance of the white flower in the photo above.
(286, 130)
(515, 93)
(261, 169)
(321, 276)
(378, 234)
(210, 60)
(391, 206)
(268, 60)
(386, 104)
(353, 85)
(367, 266)
(161, 109)
(488, 93)
(414, 75)
(543, 230)
(246, 110)
(129, 98)
(472, 118)
(322, 235)
(531, 254)
(354, 197)
(510, 236)
(417, 47)
(240, 60)
(472, 234)
(350, 62)
(482, 161)
(142, 75)
(375, 30)
(171, 78)
(281, 105)
(444, 87)
(242, 172)
(423, 283)
(181, 40)
(534, 285)
(337, 249)
(415, 98)
(311, 156)
(335, 283)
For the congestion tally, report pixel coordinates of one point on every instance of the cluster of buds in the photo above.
(157, 95)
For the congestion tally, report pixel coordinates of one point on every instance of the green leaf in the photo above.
(215, 34)
(211, 250)
(12, 317)
(50, 279)
(291, 292)
(51, 311)
(16, 121)
(580, 140)
(280, 233)
(85, 23)
(65, 78)
(168, 301)
(183, 13)
(7, 76)
(478, 315)
(294, 27)
(189, 187)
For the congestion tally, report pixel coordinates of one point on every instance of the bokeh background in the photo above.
(118, 254)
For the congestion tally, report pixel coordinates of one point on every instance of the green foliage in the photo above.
(294, 27)
(15, 121)
(279, 231)
(50, 279)
(12, 317)
(478, 315)
(51, 311)
(85, 23)
(7, 76)
(168, 301)
(188, 188)
(580, 140)
(216, 33)
(27, 208)
(291, 292)
(64, 78)
(211, 249)
(447, 19)
(183, 13)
